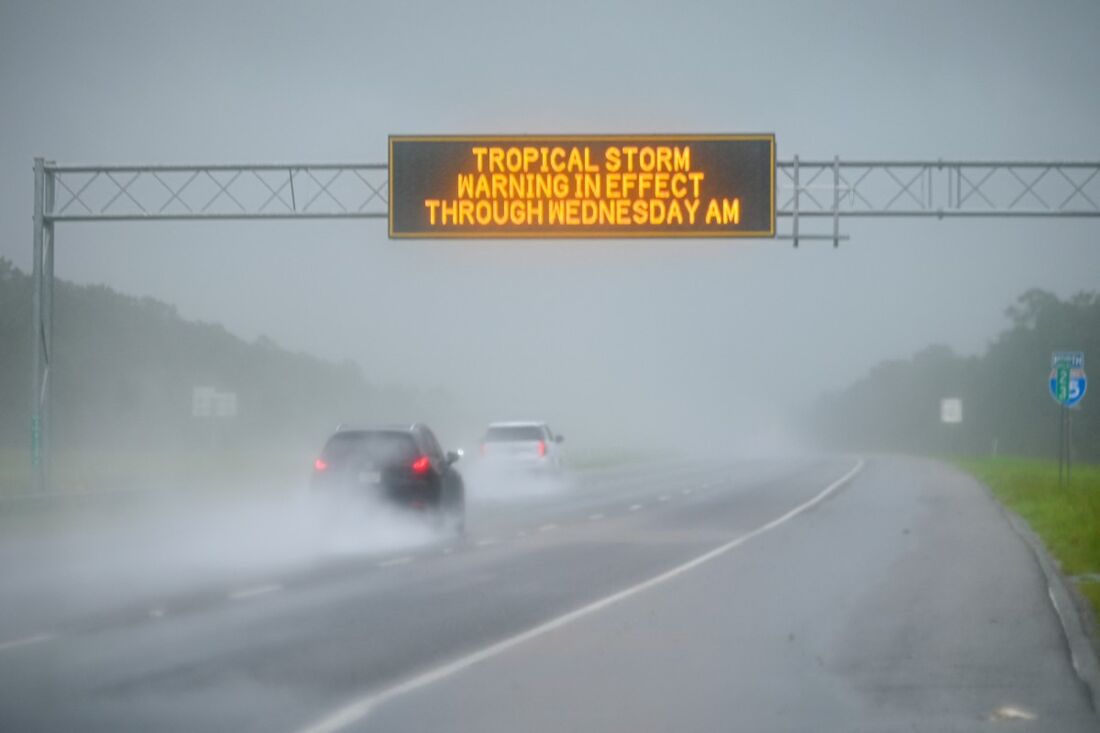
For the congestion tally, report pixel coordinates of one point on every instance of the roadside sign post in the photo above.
(1069, 442)
(1061, 444)
(1067, 384)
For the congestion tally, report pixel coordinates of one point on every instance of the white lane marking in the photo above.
(595, 517)
(635, 507)
(1008, 712)
(26, 641)
(157, 612)
(486, 542)
(403, 560)
(257, 590)
(448, 550)
(357, 710)
(685, 492)
(521, 533)
(663, 497)
(548, 527)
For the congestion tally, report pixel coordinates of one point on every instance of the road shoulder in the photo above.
(1073, 610)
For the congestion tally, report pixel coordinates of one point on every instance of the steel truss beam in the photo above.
(294, 191)
(812, 190)
(941, 189)
(355, 191)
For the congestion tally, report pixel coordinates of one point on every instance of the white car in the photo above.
(526, 446)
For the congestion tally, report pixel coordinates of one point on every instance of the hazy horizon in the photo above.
(720, 337)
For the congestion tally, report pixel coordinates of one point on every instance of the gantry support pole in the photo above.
(41, 327)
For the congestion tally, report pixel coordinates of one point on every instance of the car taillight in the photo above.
(421, 465)
(484, 448)
(319, 465)
(542, 448)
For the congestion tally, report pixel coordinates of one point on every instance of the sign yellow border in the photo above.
(757, 234)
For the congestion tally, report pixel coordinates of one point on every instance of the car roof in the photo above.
(403, 428)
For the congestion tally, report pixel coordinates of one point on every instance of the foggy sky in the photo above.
(590, 334)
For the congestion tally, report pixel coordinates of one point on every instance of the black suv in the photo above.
(401, 465)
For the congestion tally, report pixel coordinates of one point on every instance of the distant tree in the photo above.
(1004, 392)
(125, 367)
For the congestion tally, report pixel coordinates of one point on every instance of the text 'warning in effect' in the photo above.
(582, 186)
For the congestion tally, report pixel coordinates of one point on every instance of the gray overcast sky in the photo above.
(590, 333)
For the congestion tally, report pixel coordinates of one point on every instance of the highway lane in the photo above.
(124, 556)
(902, 601)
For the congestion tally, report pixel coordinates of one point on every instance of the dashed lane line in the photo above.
(394, 561)
(26, 641)
(256, 590)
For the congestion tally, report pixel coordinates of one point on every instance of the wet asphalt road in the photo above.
(688, 597)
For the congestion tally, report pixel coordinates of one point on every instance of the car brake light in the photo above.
(421, 465)
(542, 448)
(320, 465)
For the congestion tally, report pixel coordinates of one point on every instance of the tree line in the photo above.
(124, 369)
(1006, 404)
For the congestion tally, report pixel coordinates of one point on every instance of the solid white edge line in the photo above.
(548, 527)
(403, 560)
(361, 708)
(595, 517)
(486, 542)
(259, 590)
(636, 507)
(26, 641)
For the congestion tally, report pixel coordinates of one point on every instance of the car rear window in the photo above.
(376, 446)
(501, 434)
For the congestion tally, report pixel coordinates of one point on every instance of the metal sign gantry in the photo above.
(807, 191)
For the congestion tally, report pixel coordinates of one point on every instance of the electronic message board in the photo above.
(591, 186)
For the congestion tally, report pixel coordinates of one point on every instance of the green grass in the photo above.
(1092, 592)
(75, 471)
(1067, 519)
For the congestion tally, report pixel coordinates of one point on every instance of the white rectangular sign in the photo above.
(951, 410)
(209, 402)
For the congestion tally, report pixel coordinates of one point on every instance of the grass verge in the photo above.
(92, 471)
(1067, 519)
